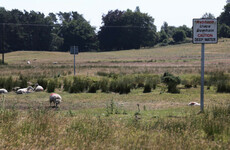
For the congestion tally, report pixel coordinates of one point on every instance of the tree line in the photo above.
(23, 30)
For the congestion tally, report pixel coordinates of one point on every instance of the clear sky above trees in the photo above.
(176, 12)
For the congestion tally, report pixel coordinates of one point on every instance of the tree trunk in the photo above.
(3, 58)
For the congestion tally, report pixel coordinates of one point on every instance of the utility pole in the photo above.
(3, 40)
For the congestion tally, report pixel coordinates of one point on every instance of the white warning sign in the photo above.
(205, 31)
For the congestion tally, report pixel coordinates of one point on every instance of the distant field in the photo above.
(179, 59)
(108, 120)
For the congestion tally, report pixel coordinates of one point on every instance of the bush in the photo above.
(179, 36)
(171, 81)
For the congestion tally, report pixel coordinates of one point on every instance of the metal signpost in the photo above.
(204, 32)
(74, 50)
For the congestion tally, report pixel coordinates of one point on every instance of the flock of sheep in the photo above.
(54, 97)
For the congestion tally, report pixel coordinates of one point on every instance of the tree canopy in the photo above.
(127, 30)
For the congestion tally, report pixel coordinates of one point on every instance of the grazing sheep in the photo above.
(55, 98)
(194, 104)
(3, 91)
(38, 88)
(29, 89)
(16, 88)
(28, 62)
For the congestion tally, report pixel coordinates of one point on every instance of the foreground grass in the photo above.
(49, 129)
(113, 121)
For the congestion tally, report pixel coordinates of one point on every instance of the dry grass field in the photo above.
(155, 120)
(179, 59)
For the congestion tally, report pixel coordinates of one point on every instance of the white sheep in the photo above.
(55, 98)
(29, 89)
(38, 88)
(194, 104)
(28, 62)
(3, 91)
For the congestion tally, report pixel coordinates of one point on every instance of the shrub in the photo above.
(179, 36)
(171, 81)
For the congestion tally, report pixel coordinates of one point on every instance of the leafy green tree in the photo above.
(165, 28)
(179, 36)
(208, 16)
(224, 17)
(224, 31)
(163, 36)
(127, 30)
(75, 30)
(169, 30)
(188, 31)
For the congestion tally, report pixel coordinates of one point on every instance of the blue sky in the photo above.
(174, 12)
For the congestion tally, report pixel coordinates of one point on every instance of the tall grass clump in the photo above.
(150, 83)
(51, 85)
(122, 85)
(80, 84)
(215, 122)
(9, 83)
(215, 77)
(221, 81)
(2, 82)
(223, 86)
(171, 81)
(93, 86)
(104, 85)
(66, 84)
(42, 82)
